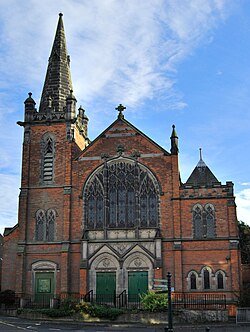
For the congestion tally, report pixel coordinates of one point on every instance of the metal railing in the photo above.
(199, 301)
(243, 315)
(130, 301)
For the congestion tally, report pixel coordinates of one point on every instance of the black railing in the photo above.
(199, 301)
(124, 300)
(88, 297)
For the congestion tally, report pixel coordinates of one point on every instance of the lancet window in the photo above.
(121, 194)
(45, 225)
(203, 221)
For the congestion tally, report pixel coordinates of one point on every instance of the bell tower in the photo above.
(53, 135)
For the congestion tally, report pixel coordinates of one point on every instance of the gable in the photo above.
(122, 136)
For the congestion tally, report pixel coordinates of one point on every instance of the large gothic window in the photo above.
(48, 153)
(204, 221)
(121, 194)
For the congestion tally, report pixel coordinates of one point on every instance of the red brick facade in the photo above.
(53, 240)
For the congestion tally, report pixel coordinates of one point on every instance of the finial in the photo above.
(200, 154)
(173, 126)
(60, 14)
(30, 94)
(120, 109)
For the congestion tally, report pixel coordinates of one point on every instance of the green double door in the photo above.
(137, 285)
(44, 287)
(105, 287)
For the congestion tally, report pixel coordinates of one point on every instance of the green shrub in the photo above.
(100, 311)
(154, 301)
(68, 304)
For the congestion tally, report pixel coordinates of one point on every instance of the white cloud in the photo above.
(121, 51)
(243, 205)
(118, 48)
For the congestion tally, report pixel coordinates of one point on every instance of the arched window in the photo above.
(51, 216)
(193, 284)
(45, 225)
(95, 203)
(48, 153)
(121, 194)
(220, 281)
(206, 279)
(197, 221)
(209, 215)
(203, 221)
(40, 225)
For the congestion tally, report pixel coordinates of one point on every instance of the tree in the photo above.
(244, 234)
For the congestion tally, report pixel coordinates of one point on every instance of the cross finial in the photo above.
(120, 109)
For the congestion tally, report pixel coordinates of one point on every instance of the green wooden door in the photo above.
(44, 287)
(105, 287)
(137, 284)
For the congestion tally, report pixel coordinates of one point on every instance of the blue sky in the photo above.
(182, 62)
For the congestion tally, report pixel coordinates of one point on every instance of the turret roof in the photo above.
(202, 175)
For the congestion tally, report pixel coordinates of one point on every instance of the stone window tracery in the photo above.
(45, 225)
(203, 221)
(128, 196)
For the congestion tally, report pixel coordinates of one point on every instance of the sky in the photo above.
(182, 62)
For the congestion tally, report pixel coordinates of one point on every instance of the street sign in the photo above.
(160, 280)
(160, 286)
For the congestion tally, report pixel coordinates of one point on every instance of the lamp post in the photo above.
(170, 313)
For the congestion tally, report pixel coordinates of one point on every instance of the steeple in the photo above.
(57, 85)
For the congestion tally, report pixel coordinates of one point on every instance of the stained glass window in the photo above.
(131, 194)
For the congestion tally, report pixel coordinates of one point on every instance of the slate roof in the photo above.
(202, 176)
(57, 83)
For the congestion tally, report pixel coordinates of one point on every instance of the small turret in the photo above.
(82, 121)
(174, 142)
(29, 107)
(70, 112)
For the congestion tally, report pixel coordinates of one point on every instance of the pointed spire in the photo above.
(201, 163)
(174, 142)
(57, 83)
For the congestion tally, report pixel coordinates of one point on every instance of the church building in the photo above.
(110, 215)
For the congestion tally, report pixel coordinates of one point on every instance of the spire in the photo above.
(174, 142)
(57, 83)
(201, 162)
